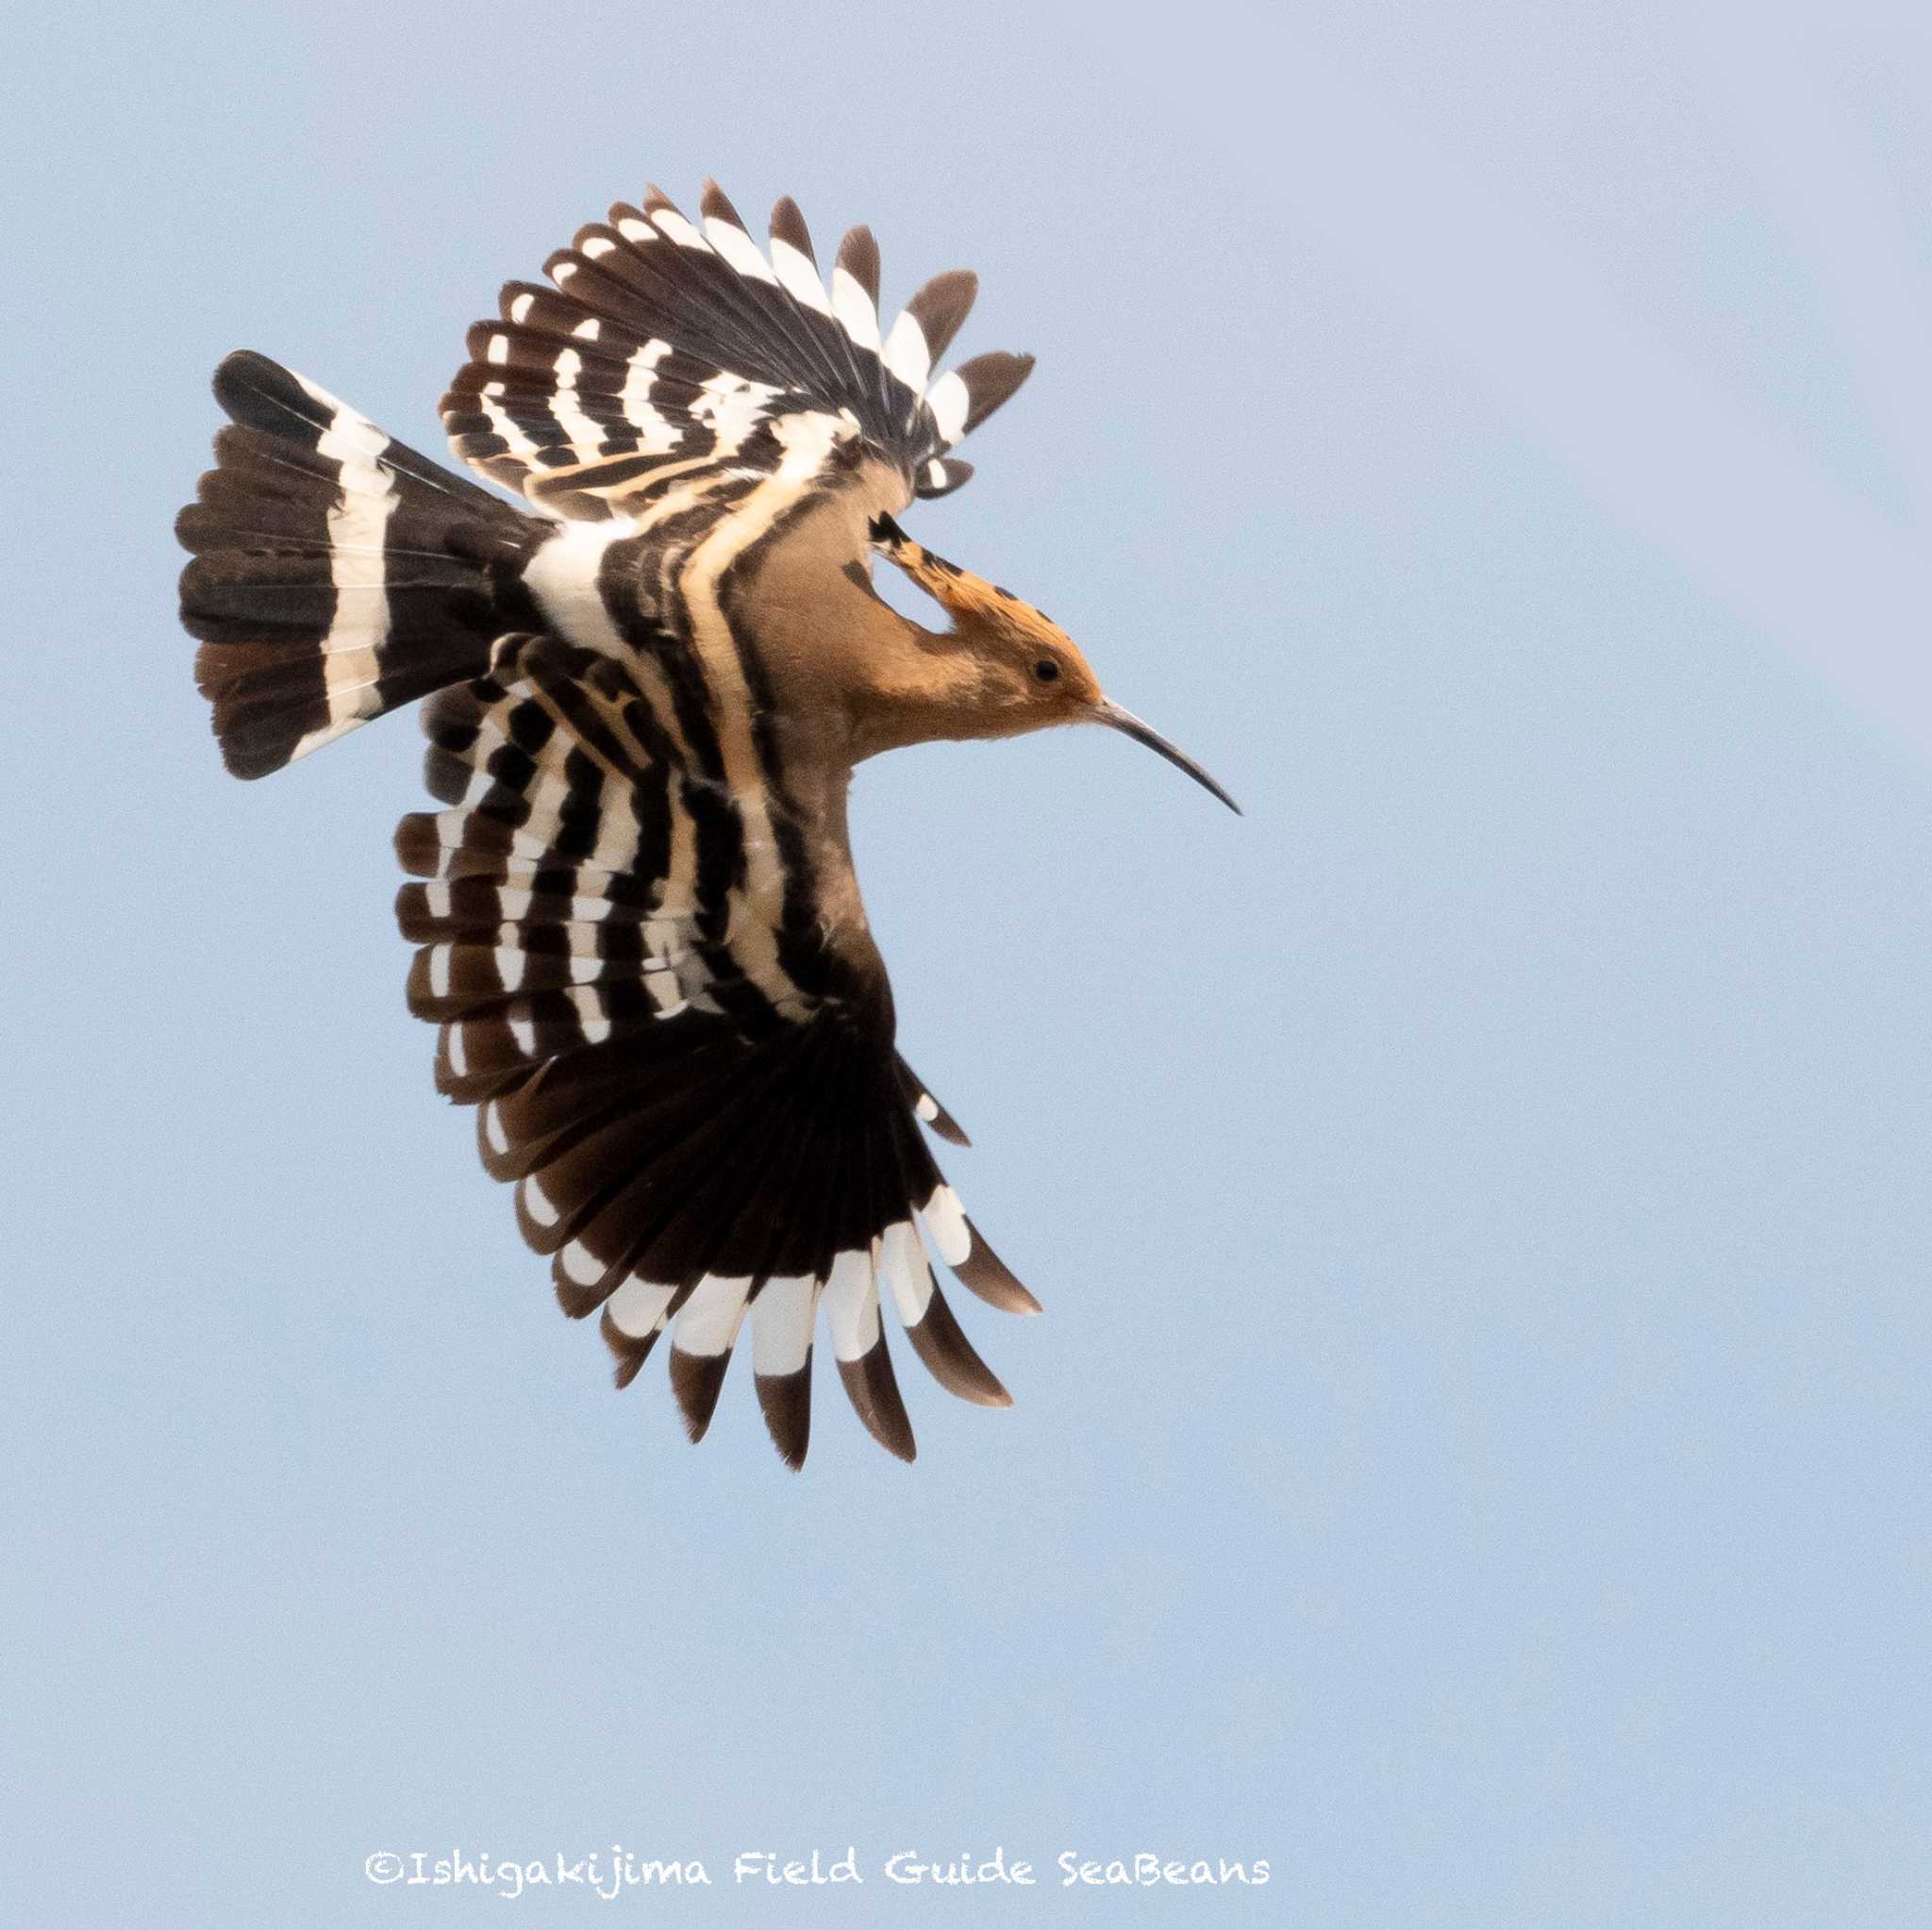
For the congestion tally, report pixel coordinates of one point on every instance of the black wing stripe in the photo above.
(796, 264)
(928, 1109)
(865, 1359)
(922, 1306)
(812, 368)
(698, 276)
(988, 380)
(938, 311)
(855, 302)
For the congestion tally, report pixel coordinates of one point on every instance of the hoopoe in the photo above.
(638, 923)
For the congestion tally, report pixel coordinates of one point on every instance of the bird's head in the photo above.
(1026, 673)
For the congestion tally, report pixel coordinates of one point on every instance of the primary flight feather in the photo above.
(638, 927)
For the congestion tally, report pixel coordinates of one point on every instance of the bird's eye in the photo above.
(1046, 670)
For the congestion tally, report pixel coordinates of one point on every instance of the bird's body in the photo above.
(640, 927)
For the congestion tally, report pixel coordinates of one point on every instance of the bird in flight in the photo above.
(639, 929)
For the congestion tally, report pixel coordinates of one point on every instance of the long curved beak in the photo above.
(1111, 714)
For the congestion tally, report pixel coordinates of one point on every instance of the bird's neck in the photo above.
(929, 686)
(851, 677)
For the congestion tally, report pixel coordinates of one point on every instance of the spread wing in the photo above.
(662, 998)
(668, 354)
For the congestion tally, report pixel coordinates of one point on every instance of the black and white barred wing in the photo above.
(666, 347)
(702, 1120)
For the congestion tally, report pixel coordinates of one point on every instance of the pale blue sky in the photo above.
(1475, 1454)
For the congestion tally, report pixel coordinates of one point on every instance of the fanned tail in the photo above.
(337, 573)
